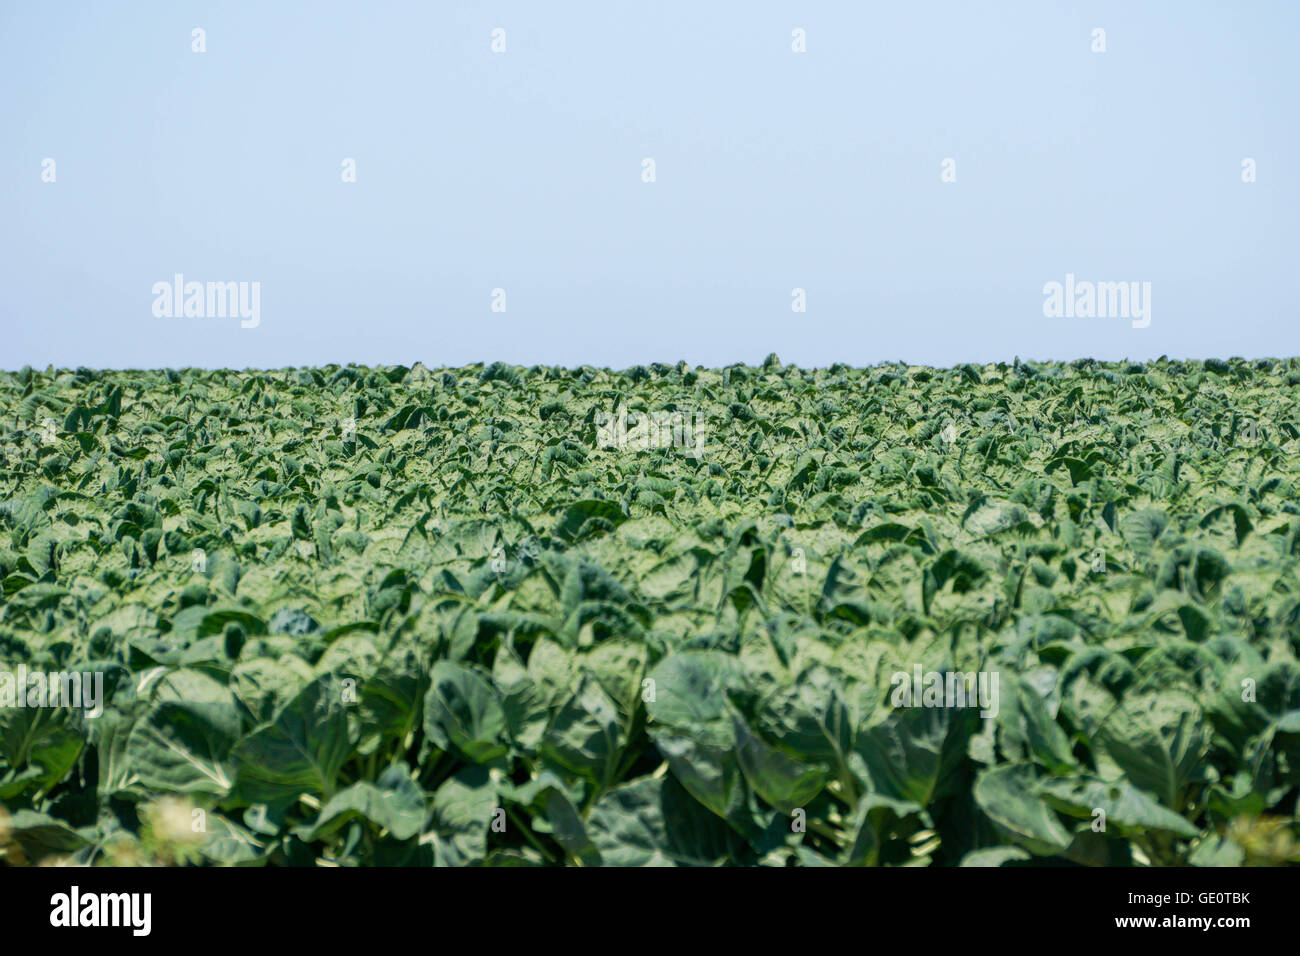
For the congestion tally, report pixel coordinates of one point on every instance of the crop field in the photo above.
(1013, 614)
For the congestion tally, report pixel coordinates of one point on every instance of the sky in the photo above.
(524, 170)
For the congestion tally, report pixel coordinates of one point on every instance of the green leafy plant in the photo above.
(513, 616)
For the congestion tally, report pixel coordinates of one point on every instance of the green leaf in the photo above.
(585, 518)
(40, 835)
(394, 803)
(39, 746)
(585, 736)
(463, 710)
(1125, 807)
(1006, 795)
(654, 822)
(301, 751)
(781, 780)
(995, 856)
(1157, 740)
(916, 753)
(463, 809)
(183, 742)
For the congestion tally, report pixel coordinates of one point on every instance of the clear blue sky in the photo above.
(522, 171)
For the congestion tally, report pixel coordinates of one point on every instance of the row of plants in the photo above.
(403, 616)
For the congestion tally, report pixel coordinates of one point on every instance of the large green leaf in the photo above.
(301, 751)
(1006, 794)
(463, 710)
(394, 803)
(654, 822)
(183, 742)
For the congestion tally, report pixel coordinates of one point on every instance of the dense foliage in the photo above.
(474, 615)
